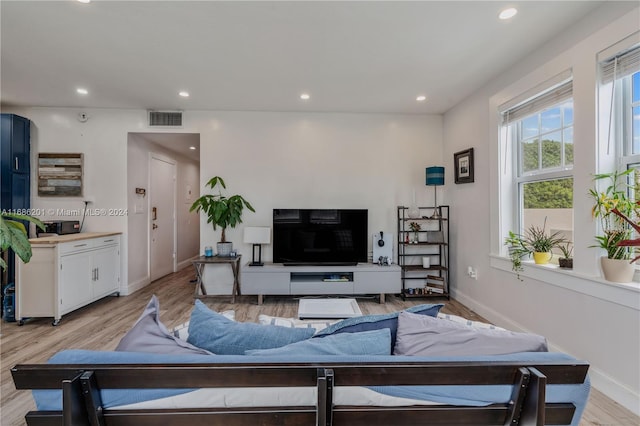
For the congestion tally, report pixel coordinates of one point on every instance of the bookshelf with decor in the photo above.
(423, 251)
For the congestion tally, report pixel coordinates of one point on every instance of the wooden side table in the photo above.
(202, 261)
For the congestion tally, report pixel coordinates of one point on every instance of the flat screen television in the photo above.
(320, 236)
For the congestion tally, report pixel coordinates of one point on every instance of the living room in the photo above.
(308, 157)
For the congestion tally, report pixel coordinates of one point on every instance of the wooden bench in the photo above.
(82, 403)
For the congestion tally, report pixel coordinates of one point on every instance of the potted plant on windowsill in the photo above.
(617, 214)
(566, 261)
(222, 211)
(536, 241)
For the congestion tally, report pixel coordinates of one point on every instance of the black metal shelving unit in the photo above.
(432, 242)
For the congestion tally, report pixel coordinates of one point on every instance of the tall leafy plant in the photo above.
(222, 211)
(14, 236)
(615, 226)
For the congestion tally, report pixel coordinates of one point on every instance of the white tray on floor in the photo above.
(328, 308)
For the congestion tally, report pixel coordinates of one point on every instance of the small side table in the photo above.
(202, 261)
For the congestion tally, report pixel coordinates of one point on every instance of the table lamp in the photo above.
(257, 235)
(435, 177)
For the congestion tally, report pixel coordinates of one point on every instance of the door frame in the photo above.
(174, 192)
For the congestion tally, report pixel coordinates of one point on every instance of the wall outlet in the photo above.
(472, 272)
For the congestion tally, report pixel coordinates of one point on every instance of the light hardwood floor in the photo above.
(101, 325)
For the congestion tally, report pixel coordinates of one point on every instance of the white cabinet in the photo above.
(65, 273)
(277, 279)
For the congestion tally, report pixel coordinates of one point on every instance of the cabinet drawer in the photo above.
(75, 246)
(106, 241)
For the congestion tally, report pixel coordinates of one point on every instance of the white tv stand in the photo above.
(277, 279)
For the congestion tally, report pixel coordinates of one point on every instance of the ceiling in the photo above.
(361, 57)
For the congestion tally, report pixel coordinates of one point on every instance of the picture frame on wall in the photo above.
(463, 166)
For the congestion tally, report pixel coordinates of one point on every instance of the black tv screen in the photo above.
(320, 236)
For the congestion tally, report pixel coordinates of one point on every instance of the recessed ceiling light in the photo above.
(305, 96)
(184, 94)
(421, 98)
(508, 13)
(84, 1)
(82, 91)
(192, 147)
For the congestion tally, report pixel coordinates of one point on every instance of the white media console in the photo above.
(278, 279)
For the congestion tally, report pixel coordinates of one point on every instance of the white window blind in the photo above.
(620, 65)
(546, 99)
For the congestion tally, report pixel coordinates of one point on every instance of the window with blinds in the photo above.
(620, 83)
(540, 137)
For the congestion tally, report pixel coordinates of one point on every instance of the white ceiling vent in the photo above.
(165, 118)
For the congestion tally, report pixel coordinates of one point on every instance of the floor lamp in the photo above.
(435, 177)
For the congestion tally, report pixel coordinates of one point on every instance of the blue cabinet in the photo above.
(15, 177)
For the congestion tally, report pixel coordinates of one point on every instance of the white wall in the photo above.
(296, 160)
(578, 312)
(275, 160)
(187, 224)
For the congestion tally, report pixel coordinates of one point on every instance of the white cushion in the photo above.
(317, 324)
(473, 324)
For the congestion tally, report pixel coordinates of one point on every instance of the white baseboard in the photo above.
(185, 263)
(135, 286)
(613, 389)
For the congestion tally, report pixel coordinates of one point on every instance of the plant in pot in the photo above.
(540, 243)
(536, 241)
(616, 213)
(566, 261)
(14, 236)
(225, 212)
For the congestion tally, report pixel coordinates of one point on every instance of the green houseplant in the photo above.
(566, 261)
(14, 236)
(225, 212)
(536, 241)
(617, 212)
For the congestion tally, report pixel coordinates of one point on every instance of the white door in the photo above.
(162, 217)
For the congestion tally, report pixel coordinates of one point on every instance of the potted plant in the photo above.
(536, 241)
(566, 261)
(14, 236)
(540, 243)
(221, 211)
(616, 213)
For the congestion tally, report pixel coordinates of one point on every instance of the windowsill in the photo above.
(625, 294)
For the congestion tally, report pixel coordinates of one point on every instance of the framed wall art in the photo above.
(59, 175)
(463, 166)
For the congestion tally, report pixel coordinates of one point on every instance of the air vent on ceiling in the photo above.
(165, 118)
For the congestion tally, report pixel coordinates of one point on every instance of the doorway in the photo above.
(162, 223)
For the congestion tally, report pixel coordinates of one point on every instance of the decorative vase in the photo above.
(617, 270)
(541, 258)
(565, 263)
(414, 211)
(224, 249)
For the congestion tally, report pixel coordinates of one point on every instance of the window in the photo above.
(540, 132)
(620, 90)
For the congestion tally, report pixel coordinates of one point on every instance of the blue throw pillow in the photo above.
(211, 331)
(377, 322)
(376, 342)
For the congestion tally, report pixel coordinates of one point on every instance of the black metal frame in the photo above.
(82, 404)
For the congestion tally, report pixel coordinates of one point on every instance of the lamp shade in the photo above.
(257, 235)
(435, 176)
